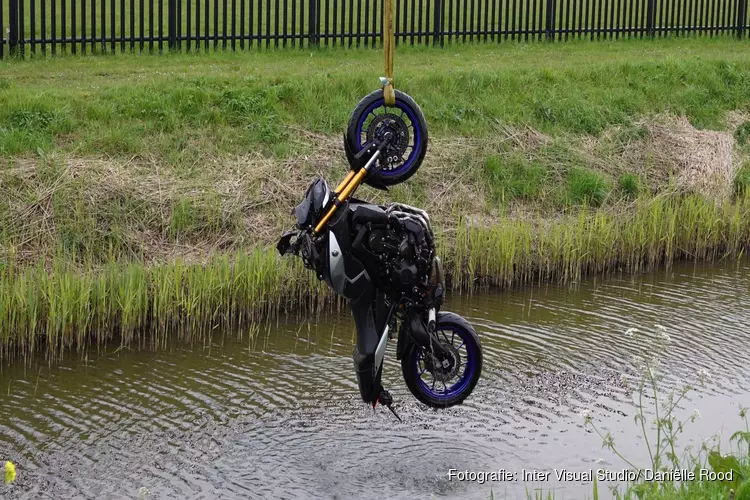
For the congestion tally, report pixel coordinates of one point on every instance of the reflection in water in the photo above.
(276, 413)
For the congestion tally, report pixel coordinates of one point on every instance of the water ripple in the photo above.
(278, 415)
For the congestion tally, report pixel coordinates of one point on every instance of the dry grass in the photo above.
(157, 213)
(702, 160)
(668, 150)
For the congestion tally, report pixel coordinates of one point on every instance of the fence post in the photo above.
(313, 24)
(172, 24)
(13, 32)
(741, 18)
(650, 15)
(550, 24)
(437, 25)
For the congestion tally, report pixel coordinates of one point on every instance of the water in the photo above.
(277, 415)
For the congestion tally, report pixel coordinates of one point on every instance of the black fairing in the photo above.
(368, 304)
(310, 209)
(356, 279)
(370, 317)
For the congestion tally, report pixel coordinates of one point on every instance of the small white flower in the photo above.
(638, 361)
(710, 440)
(631, 331)
(585, 415)
(664, 335)
(703, 375)
(696, 414)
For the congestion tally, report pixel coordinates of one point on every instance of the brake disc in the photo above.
(389, 122)
(444, 370)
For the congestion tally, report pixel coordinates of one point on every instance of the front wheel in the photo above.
(441, 385)
(372, 119)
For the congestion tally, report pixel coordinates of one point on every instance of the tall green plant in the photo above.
(652, 395)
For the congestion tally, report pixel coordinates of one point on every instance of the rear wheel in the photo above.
(371, 119)
(442, 385)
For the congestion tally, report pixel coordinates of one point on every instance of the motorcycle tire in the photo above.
(454, 330)
(372, 117)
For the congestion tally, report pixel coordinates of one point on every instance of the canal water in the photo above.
(276, 413)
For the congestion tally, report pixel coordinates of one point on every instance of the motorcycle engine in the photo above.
(407, 251)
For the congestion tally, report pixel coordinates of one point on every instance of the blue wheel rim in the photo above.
(461, 339)
(417, 135)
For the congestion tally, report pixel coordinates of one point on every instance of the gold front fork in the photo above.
(344, 190)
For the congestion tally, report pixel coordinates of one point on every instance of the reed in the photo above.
(52, 309)
(650, 233)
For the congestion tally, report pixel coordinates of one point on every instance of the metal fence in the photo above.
(105, 26)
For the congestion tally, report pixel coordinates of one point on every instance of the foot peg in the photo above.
(386, 400)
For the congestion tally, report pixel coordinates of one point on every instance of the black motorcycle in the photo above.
(382, 258)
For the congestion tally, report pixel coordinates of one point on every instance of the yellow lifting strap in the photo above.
(388, 42)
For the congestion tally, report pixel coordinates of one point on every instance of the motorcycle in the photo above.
(382, 258)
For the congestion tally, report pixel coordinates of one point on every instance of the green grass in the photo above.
(630, 185)
(587, 187)
(515, 177)
(742, 180)
(182, 109)
(742, 134)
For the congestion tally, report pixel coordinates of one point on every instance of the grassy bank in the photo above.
(139, 195)
(156, 157)
(64, 306)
